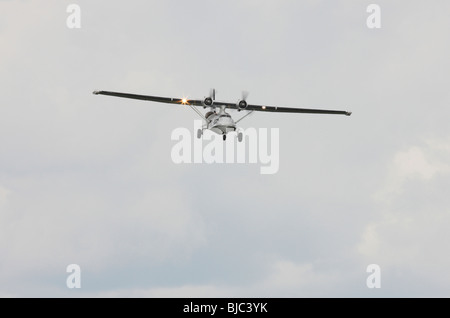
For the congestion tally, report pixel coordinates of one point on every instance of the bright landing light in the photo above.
(184, 101)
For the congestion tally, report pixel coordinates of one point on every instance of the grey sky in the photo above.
(89, 179)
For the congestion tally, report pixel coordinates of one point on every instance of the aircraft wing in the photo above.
(199, 102)
(159, 99)
(264, 108)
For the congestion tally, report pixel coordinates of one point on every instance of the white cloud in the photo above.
(294, 279)
(284, 279)
(413, 162)
(416, 163)
(410, 231)
(4, 193)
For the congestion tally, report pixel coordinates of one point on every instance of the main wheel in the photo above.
(240, 136)
(224, 137)
(199, 133)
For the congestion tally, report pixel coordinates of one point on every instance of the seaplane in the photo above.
(216, 118)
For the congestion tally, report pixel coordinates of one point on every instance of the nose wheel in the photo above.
(240, 135)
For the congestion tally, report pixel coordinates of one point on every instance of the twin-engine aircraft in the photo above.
(217, 119)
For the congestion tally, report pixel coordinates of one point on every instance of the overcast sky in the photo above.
(89, 180)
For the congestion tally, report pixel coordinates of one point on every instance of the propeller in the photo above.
(209, 101)
(244, 95)
(242, 104)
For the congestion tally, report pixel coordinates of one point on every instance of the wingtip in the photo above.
(348, 113)
(96, 92)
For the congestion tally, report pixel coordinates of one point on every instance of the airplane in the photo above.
(217, 119)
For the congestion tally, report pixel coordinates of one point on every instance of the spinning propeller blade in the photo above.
(244, 95)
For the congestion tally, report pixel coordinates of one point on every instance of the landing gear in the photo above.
(240, 136)
(224, 137)
(199, 133)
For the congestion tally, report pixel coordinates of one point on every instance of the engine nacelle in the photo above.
(208, 101)
(242, 104)
(208, 114)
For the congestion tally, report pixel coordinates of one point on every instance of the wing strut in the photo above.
(244, 116)
(198, 112)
